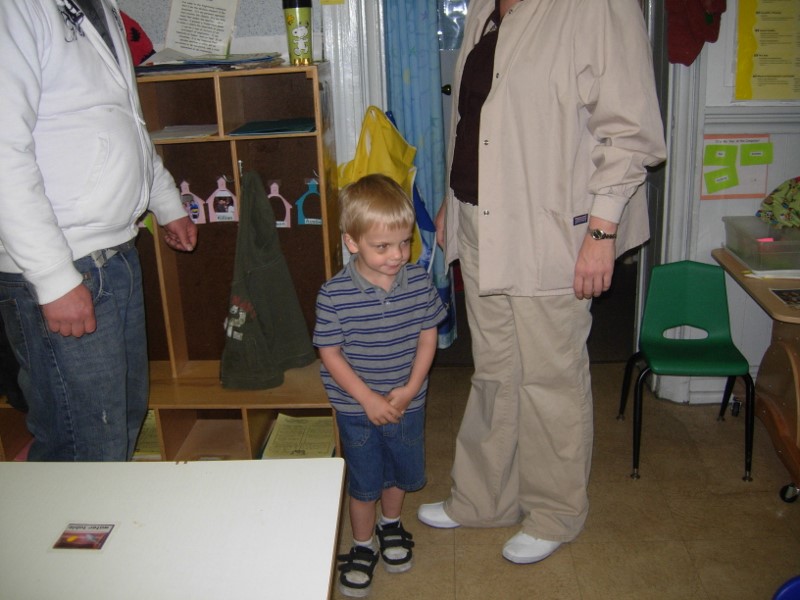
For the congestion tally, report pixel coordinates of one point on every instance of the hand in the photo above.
(181, 234)
(595, 265)
(379, 411)
(400, 398)
(72, 314)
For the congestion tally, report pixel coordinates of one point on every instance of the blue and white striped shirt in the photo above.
(377, 330)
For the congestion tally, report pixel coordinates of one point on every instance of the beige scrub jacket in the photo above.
(567, 130)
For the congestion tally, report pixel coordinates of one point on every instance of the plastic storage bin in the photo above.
(761, 246)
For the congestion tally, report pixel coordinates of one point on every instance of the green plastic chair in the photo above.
(688, 293)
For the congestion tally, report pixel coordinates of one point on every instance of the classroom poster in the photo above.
(735, 166)
(768, 54)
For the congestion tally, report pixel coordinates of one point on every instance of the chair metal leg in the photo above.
(726, 396)
(637, 419)
(626, 384)
(749, 424)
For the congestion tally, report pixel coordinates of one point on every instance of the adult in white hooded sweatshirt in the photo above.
(78, 170)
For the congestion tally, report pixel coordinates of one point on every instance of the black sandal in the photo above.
(394, 536)
(361, 560)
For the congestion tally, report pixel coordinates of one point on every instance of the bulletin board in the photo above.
(736, 166)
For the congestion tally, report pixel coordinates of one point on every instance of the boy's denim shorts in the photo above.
(382, 456)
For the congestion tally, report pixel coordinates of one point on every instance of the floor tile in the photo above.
(636, 571)
(482, 573)
(745, 569)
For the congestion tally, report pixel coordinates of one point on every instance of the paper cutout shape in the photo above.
(720, 155)
(287, 216)
(757, 154)
(222, 206)
(721, 179)
(313, 190)
(194, 206)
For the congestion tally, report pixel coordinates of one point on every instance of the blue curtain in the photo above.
(415, 101)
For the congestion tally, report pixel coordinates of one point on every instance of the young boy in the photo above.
(376, 334)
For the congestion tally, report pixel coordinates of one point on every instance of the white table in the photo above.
(194, 531)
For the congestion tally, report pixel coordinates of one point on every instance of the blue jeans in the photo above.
(382, 456)
(87, 396)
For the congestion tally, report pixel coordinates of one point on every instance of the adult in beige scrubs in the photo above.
(556, 121)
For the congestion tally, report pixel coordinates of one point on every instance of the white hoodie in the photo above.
(77, 166)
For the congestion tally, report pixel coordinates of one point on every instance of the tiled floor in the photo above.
(689, 529)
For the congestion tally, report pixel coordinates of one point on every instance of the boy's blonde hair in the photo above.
(374, 200)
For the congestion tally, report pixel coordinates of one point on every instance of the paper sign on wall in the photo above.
(735, 166)
(768, 51)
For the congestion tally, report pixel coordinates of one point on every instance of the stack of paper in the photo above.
(276, 126)
(300, 437)
(199, 37)
(147, 447)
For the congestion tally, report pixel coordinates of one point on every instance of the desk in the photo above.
(182, 531)
(778, 380)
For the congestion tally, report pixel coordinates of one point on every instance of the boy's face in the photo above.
(381, 253)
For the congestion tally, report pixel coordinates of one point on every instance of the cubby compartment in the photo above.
(202, 434)
(181, 101)
(259, 423)
(266, 97)
(204, 278)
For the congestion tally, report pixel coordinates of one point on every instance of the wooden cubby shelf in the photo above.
(195, 417)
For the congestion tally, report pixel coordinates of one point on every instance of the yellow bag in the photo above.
(382, 149)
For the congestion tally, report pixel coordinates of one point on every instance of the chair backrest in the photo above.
(686, 293)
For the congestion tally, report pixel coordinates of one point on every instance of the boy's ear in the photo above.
(352, 245)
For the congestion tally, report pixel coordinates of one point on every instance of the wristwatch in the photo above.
(599, 234)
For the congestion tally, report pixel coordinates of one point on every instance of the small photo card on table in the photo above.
(83, 536)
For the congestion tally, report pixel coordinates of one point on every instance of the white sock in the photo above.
(367, 544)
(386, 521)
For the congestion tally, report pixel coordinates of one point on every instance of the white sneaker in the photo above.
(434, 516)
(524, 549)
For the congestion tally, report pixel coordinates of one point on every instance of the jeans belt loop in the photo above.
(101, 257)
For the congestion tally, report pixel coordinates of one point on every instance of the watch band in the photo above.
(599, 234)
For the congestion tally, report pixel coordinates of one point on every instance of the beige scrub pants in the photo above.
(524, 449)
